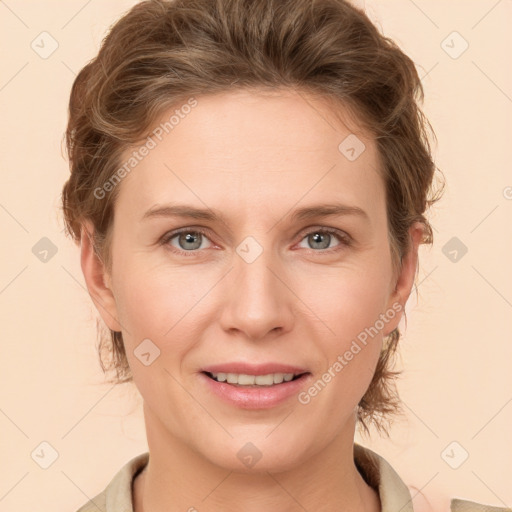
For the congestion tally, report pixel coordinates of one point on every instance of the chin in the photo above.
(254, 457)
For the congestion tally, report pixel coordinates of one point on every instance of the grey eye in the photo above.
(189, 240)
(319, 240)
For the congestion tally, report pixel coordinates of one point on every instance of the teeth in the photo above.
(253, 380)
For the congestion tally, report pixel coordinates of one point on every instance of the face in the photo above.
(288, 263)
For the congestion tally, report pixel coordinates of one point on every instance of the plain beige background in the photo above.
(456, 352)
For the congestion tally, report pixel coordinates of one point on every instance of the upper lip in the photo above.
(254, 369)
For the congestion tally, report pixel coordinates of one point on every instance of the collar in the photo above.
(377, 472)
(394, 494)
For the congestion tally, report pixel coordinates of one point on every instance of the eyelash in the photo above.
(344, 239)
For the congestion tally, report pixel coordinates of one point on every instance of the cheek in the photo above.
(350, 306)
(161, 305)
(347, 301)
(154, 297)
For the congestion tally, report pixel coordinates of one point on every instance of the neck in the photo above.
(178, 478)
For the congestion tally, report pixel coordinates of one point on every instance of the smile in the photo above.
(247, 391)
(242, 379)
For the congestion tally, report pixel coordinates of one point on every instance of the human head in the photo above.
(161, 54)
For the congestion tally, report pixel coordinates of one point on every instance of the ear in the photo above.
(97, 279)
(405, 279)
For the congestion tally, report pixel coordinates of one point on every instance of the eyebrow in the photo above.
(304, 213)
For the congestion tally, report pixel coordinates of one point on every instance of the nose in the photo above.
(258, 301)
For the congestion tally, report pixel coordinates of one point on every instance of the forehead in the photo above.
(253, 149)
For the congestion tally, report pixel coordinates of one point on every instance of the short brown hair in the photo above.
(162, 52)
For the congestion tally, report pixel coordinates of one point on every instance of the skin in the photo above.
(255, 158)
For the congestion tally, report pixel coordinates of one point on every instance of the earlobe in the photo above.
(96, 279)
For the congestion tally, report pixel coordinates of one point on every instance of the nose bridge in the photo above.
(257, 301)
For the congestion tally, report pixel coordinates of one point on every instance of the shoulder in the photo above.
(118, 494)
(458, 505)
(422, 504)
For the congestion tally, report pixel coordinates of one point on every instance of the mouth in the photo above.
(254, 381)
(255, 386)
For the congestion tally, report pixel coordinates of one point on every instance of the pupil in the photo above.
(189, 238)
(321, 239)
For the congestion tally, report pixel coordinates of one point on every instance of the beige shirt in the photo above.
(377, 472)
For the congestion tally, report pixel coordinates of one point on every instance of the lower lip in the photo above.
(263, 397)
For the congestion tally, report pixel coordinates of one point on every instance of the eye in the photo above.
(322, 238)
(187, 240)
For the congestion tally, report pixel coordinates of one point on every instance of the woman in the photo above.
(248, 185)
